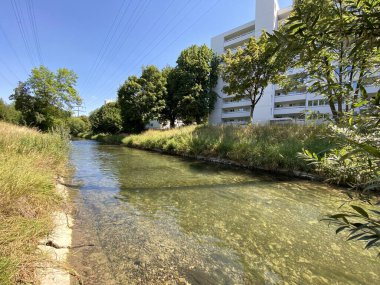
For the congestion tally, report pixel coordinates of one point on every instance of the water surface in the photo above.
(159, 219)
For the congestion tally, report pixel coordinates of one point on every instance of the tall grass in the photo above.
(29, 163)
(269, 147)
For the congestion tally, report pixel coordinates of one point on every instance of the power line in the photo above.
(13, 49)
(110, 34)
(6, 79)
(183, 9)
(188, 28)
(32, 20)
(135, 17)
(142, 58)
(79, 109)
(10, 69)
(146, 34)
(18, 15)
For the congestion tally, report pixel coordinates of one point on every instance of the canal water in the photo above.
(157, 219)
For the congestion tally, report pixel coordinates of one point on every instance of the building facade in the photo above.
(275, 105)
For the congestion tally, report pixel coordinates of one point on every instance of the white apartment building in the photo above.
(275, 105)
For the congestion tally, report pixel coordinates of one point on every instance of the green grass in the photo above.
(30, 162)
(269, 147)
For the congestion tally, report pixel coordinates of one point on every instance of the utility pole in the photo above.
(79, 109)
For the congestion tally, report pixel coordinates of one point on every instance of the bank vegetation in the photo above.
(30, 162)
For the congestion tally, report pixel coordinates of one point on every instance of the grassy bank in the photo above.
(270, 147)
(30, 161)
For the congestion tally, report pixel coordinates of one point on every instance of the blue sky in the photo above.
(77, 34)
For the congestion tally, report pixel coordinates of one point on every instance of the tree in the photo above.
(192, 82)
(142, 99)
(172, 99)
(78, 125)
(106, 119)
(341, 38)
(46, 98)
(339, 58)
(249, 71)
(9, 113)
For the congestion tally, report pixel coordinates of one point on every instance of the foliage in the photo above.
(356, 158)
(106, 119)
(269, 147)
(355, 161)
(361, 225)
(249, 70)
(172, 109)
(142, 99)
(78, 125)
(46, 98)
(30, 161)
(337, 43)
(8, 113)
(192, 83)
(339, 59)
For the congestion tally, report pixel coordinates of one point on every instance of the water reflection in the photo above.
(164, 219)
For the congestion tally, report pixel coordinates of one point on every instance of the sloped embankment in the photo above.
(30, 163)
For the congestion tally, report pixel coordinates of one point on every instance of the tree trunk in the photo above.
(251, 113)
(172, 123)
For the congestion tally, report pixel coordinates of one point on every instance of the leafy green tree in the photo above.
(78, 125)
(172, 99)
(9, 113)
(249, 71)
(141, 98)
(338, 41)
(339, 57)
(106, 119)
(46, 98)
(192, 82)
(355, 161)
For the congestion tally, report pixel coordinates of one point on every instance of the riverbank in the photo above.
(30, 164)
(273, 148)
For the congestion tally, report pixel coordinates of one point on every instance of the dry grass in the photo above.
(29, 163)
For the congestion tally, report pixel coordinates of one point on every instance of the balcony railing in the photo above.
(245, 35)
(292, 93)
(237, 114)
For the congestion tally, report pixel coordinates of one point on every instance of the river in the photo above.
(157, 219)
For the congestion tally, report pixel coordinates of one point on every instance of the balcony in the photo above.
(238, 114)
(235, 104)
(238, 40)
(291, 96)
(289, 110)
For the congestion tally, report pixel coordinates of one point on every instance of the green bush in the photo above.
(8, 113)
(106, 119)
(78, 125)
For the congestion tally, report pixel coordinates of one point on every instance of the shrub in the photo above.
(106, 119)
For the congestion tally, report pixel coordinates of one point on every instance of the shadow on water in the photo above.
(160, 219)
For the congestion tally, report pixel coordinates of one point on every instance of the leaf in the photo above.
(355, 236)
(337, 216)
(371, 243)
(368, 237)
(338, 230)
(376, 212)
(361, 211)
(361, 103)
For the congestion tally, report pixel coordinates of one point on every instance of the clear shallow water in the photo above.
(163, 220)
